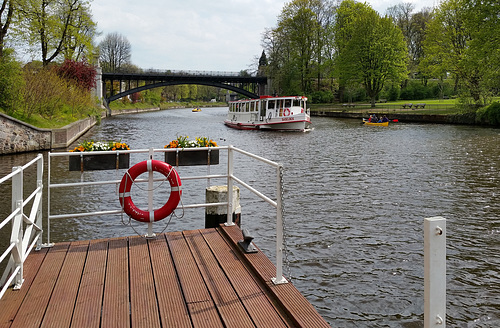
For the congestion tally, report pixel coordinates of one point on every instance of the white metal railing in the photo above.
(26, 230)
(23, 241)
(231, 179)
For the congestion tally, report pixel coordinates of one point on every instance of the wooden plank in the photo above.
(144, 308)
(225, 298)
(62, 302)
(260, 308)
(294, 305)
(115, 306)
(34, 304)
(88, 304)
(12, 299)
(171, 304)
(200, 305)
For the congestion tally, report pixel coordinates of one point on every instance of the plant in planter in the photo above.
(194, 157)
(87, 162)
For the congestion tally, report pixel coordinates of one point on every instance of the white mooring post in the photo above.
(230, 204)
(434, 272)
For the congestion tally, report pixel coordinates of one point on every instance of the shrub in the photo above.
(82, 73)
(322, 97)
(11, 82)
(489, 115)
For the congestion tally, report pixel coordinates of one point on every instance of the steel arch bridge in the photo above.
(249, 86)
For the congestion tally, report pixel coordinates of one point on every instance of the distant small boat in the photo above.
(375, 124)
(196, 109)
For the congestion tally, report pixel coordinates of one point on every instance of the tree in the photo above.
(463, 40)
(114, 52)
(371, 50)
(56, 27)
(6, 14)
(295, 48)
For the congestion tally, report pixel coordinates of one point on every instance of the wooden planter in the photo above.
(195, 157)
(99, 162)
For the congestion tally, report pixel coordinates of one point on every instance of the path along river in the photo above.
(355, 201)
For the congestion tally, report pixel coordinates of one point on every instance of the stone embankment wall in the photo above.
(18, 137)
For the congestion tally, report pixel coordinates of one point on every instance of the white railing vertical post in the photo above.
(39, 183)
(230, 171)
(279, 279)
(16, 236)
(150, 233)
(434, 272)
(48, 197)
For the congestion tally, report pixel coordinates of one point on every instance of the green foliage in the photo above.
(371, 50)
(11, 82)
(463, 40)
(152, 96)
(393, 92)
(56, 28)
(322, 97)
(489, 115)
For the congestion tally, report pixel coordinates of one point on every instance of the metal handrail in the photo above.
(26, 231)
(231, 179)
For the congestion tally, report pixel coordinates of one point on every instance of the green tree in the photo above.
(296, 47)
(463, 40)
(56, 27)
(11, 82)
(371, 50)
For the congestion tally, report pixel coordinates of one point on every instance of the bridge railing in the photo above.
(161, 72)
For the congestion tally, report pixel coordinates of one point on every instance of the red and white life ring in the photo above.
(148, 166)
(286, 112)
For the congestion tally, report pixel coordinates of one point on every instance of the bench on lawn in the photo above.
(409, 105)
(420, 106)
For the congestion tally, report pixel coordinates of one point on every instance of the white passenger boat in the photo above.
(270, 113)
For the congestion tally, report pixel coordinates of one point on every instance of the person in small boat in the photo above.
(384, 119)
(374, 119)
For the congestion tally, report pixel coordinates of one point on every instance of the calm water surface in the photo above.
(355, 200)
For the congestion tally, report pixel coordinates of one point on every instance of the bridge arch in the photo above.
(167, 83)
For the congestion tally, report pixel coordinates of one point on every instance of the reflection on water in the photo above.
(355, 200)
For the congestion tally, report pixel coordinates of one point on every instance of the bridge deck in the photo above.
(196, 278)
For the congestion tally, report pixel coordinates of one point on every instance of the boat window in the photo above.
(288, 103)
(271, 104)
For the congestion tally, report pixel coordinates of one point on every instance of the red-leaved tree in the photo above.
(80, 72)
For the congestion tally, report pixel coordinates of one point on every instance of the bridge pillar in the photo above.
(97, 91)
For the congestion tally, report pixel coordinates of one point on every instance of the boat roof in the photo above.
(270, 98)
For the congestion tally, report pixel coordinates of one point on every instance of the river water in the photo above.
(355, 201)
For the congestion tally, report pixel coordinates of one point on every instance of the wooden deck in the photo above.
(193, 278)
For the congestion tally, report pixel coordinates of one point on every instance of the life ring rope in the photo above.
(128, 181)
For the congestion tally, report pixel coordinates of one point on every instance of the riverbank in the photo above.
(18, 137)
(456, 118)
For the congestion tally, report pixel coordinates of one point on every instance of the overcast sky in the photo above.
(218, 35)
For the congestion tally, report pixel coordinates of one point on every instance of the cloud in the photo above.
(222, 35)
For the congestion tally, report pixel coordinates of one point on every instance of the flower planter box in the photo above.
(99, 162)
(196, 157)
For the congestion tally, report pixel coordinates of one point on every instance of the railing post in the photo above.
(150, 233)
(279, 279)
(39, 182)
(435, 272)
(230, 172)
(17, 226)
